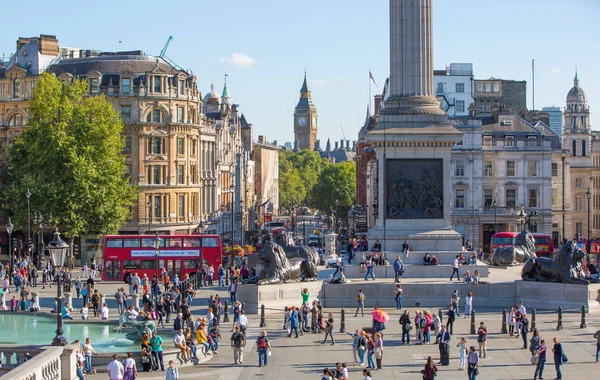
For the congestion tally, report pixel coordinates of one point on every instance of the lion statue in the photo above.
(523, 250)
(292, 251)
(565, 267)
(274, 267)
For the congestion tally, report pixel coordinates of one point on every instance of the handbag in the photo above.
(378, 353)
(535, 359)
(409, 327)
(565, 359)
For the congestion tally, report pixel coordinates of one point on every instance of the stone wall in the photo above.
(276, 297)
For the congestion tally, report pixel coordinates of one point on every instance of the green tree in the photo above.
(298, 174)
(70, 159)
(336, 182)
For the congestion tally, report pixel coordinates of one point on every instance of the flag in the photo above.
(373, 79)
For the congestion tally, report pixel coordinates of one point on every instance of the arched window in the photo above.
(15, 120)
(156, 116)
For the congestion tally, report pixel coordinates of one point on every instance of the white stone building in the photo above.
(454, 88)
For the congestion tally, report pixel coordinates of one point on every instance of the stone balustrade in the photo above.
(32, 362)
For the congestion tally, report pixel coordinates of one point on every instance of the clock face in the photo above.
(302, 121)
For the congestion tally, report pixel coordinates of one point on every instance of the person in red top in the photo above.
(430, 370)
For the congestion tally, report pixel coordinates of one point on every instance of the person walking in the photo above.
(329, 329)
(369, 268)
(264, 349)
(115, 369)
(451, 319)
(468, 304)
(360, 298)
(172, 372)
(597, 336)
(473, 360)
(238, 342)
(482, 334)
(454, 299)
(541, 353)
(534, 342)
(398, 297)
(455, 269)
(398, 269)
(430, 370)
(406, 326)
(130, 368)
(294, 323)
(559, 357)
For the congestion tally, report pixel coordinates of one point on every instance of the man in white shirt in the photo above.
(179, 341)
(115, 369)
(104, 312)
(455, 269)
(132, 313)
(522, 309)
(135, 282)
(243, 322)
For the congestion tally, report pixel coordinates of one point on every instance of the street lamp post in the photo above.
(156, 242)
(495, 206)
(28, 195)
(149, 204)
(337, 205)
(9, 229)
(588, 194)
(222, 221)
(232, 191)
(58, 251)
(242, 222)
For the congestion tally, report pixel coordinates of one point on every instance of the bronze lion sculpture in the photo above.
(292, 251)
(565, 267)
(523, 250)
(274, 267)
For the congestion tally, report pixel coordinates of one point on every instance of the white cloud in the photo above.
(239, 60)
(320, 81)
(555, 70)
(340, 80)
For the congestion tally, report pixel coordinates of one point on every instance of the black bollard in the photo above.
(227, 277)
(583, 324)
(284, 320)
(533, 324)
(559, 325)
(262, 316)
(226, 315)
(343, 322)
(473, 322)
(504, 328)
(313, 314)
(201, 279)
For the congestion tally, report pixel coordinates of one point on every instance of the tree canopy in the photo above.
(70, 159)
(336, 182)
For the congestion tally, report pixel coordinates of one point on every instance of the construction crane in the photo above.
(342, 128)
(164, 50)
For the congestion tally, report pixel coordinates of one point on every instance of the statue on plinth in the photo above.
(293, 251)
(274, 267)
(139, 323)
(523, 250)
(565, 267)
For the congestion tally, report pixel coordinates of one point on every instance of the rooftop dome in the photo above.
(576, 94)
(212, 96)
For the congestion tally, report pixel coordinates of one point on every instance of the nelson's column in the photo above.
(413, 140)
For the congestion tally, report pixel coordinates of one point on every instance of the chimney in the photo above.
(275, 142)
(377, 103)
(261, 139)
(347, 144)
(354, 145)
(318, 145)
(341, 144)
(336, 145)
(48, 45)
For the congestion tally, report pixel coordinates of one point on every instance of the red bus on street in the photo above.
(179, 254)
(543, 242)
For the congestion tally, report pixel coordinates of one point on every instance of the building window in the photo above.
(579, 229)
(532, 170)
(481, 106)
(93, 86)
(440, 88)
(193, 147)
(180, 172)
(127, 147)
(533, 198)
(459, 168)
(509, 141)
(511, 197)
(157, 208)
(181, 207)
(156, 145)
(496, 87)
(488, 87)
(460, 87)
(488, 198)
(156, 175)
(194, 170)
(156, 116)
(15, 120)
(574, 151)
(488, 169)
(554, 197)
(579, 182)
(180, 114)
(479, 87)
(157, 84)
(180, 85)
(555, 169)
(460, 106)
(125, 85)
(126, 113)
(583, 148)
(460, 198)
(180, 146)
(579, 203)
(510, 169)
(16, 88)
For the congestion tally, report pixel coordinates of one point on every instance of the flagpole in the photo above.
(369, 79)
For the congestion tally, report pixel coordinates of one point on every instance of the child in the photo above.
(172, 372)
(463, 353)
(84, 312)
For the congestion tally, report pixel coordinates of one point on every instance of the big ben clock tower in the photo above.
(305, 120)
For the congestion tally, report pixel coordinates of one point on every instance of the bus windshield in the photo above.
(502, 240)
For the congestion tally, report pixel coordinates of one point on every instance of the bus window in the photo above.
(191, 264)
(108, 269)
(131, 243)
(191, 242)
(500, 240)
(114, 243)
(149, 242)
(117, 270)
(148, 264)
(173, 242)
(210, 242)
(131, 264)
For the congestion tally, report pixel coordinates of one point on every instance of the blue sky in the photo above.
(265, 46)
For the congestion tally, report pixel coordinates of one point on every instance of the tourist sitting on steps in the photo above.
(434, 260)
(427, 259)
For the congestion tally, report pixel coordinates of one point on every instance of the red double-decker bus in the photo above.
(543, 242)
(178, 254)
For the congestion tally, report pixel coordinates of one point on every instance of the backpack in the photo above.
(262, 343)
(423, 323)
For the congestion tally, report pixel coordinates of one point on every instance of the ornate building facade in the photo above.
(305, 120)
